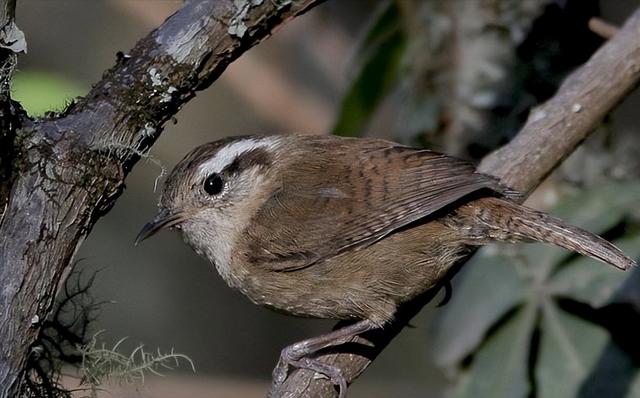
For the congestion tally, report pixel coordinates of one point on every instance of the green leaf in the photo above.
(601, 208)
(39, 92)
(500, 368)
(384, 47)
(590, 282)
(614, 375)
(490, 287)
(634, 389)
(569, 348)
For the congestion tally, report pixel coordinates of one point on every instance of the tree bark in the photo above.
(67, 170)
(11, 43)
(551, 133)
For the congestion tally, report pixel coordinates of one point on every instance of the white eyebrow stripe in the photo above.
(227, 154)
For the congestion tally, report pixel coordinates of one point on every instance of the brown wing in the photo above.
(350, 194)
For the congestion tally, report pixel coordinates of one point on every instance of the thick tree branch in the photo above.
(69, 169)
(11, 43)
(551, 133)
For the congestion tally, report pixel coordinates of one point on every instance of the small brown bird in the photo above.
(328, 227)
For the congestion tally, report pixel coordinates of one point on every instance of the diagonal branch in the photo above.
(551, 133)
(69, 169)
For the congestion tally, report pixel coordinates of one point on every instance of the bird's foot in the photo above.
(299, 355)
(289, 357)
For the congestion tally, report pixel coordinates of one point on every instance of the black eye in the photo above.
(213, 184)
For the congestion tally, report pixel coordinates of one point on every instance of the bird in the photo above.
(344, 228)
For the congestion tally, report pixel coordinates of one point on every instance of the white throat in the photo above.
(218, 238)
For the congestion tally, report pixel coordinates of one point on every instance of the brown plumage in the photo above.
(344, 228)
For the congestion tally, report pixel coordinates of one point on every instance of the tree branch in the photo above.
(12, 42)
(68, 170)
(551, 133)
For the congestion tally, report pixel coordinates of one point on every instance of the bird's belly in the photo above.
(367, 283)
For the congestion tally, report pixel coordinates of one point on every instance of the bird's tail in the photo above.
(504, 220)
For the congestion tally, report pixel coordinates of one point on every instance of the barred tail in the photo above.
(509, 221)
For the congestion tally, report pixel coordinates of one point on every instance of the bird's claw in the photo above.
(280, 372)
(333, 373)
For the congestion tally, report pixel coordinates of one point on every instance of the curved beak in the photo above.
(164, 219)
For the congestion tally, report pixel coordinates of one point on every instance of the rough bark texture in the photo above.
(11, 43)
(67, 170)
(551, 133)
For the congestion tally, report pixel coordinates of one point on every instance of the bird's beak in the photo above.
(164, 219)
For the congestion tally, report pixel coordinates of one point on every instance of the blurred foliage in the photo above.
(381, 51)
(542, 317)
(460, 76)
(41, 92)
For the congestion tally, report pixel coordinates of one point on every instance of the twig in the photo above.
(602, 28)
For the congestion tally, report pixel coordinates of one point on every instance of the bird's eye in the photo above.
(213, 184)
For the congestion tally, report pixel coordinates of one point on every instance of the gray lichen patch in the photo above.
(237, 26)
(12, 38)
(166, 96)
(160, 86)
(149, 130)
(156, 78)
